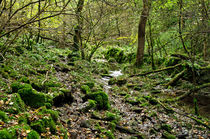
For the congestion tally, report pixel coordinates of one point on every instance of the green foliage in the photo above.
(110, 135)
(4, 134)
(33, 135)
(3, 116)
(23, 119)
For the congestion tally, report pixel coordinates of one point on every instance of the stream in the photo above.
(105, 80)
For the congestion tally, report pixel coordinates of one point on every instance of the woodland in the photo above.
(115, 69)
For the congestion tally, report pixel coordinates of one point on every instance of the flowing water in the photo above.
(105, 80)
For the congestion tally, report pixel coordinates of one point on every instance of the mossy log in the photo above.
(171, 110)
(176, 78)
(189, 92)
(156, 71)
(184, 57)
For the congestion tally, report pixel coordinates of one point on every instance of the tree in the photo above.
(141, 31)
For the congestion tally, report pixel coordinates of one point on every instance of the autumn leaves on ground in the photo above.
(51, 93)
(125, 69)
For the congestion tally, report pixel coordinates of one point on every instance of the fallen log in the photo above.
(188, 93)
(156, 71)
(176, 78)
(171, 110)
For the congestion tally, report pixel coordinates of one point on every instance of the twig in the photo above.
(46, 76)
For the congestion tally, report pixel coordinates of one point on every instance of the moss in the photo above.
(14, 130)
(3, 116)
(38, 86)
(112, 126)
(17, 85)
(33, 135)
(4, 134)
(111, 116)
(53, 114)
(90, 84)
(110, 135)
(41, 125)
(85, 89)
(112, 81)
(166, 127)
(63, 97)
(39, 99)
(91, 105)
(18, 105)
(23, 119)
(172, 61)
(101, 99)
(24, 79)
(168, 135)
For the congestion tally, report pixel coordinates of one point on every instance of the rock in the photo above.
(101, 98)
(85, 123)
(63, 97)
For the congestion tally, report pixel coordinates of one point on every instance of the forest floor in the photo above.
(137, 109)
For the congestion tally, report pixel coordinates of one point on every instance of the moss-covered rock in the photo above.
(4, 134)
(26, 92)
(33, 135)
(53, 114)
(40, 125)
(18, 105)
(3, 116)
(85, 89)
(90, 84)
(39, 99)
(91, 105)
(24, 79)
(101, 98)
(63, 97)
(17, 85)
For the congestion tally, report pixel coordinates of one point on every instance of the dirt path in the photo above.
(150, 120)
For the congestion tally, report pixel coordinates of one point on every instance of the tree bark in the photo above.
(78, 29)
(141, 32)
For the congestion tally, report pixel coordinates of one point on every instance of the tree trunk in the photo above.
(78, 29)
(141, 32)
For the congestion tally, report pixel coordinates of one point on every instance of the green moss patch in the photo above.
(101, 98)
(3, 116)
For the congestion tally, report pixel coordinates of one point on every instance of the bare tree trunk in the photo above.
(141, 32)
(151, 44)
(78, 29)
(39, 23)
